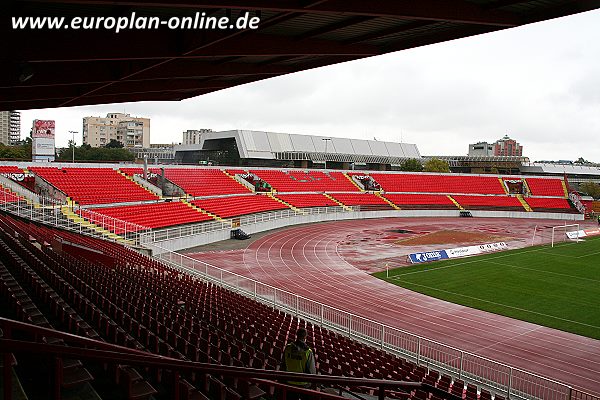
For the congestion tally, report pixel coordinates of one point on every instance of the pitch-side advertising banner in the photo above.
(582, 233)
(474, 250)
(417, 258)
(428, 256)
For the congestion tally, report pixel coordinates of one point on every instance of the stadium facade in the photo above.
(261, 148)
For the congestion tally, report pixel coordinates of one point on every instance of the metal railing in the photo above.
(49, 211)
(499, 377)
(98, 351)
(159, 235)
(125, 229)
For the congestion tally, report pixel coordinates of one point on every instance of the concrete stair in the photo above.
(564, 186)
(362, 189)
(455, 203)
(67, 211)
(503, 185)
(524, 203)
(378, 194)
(214, 216)
(285, 203)
(132, 180)
(237, 180)
(526, 186)
(345, 207)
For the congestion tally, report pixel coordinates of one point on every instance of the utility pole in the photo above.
(73, 143)
(326, 140)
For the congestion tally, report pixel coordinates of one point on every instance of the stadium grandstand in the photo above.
(97, 302)
(69, 263)
(180, 207)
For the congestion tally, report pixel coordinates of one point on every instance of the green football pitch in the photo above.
(557, 287)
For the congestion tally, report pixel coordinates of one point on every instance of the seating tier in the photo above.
(306, 200)
(416, 201)
(360, 199)
(547, 203)
(10, 169)
(204, 181)
(545, 187)
(438, 183)
(156, 215)
(94, 185)
(233, 206)
(306, 181)
(487, 202)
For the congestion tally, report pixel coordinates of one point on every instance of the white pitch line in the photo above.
(542, 272)
(507, 306)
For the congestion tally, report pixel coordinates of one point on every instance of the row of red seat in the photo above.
(94, 185)
(10, 169)
(436, 183)
(544, 203)
(232, 206)
(153, 215)
(306, 181)
(204, 182)
(306, 200)
(488, 201)
(546, 187)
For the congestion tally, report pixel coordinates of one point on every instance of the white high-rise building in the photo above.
(132, 132)
(193, 136)
(10, 127)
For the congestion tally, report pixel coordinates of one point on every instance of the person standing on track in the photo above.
(298, 357)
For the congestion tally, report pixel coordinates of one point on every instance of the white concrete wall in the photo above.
(140, 180)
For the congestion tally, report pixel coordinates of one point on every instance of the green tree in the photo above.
(114, 144)
(411, 165)
(590, 188)
(86, 152)
(21, 153)
(436, 165)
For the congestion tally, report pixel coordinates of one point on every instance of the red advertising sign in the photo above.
(43, 129)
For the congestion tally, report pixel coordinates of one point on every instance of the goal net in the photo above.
(565, 233)
(555, 234)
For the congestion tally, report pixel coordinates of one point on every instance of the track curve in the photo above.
(306, 260)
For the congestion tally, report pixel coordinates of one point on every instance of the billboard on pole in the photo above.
(43, 145)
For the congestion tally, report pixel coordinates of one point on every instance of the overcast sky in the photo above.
(539, 83)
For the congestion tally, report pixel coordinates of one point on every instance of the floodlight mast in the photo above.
(326, 140)
(73, 143)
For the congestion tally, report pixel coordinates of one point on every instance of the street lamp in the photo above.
(73, 143)
(326, 140)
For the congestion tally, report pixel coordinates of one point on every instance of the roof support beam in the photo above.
(49, 92)
(251, 45)
(434, 10)
(72, 74)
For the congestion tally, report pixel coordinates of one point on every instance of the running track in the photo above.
(305, 260)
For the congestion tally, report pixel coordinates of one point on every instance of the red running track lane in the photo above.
(305, 260)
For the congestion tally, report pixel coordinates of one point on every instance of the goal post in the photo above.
(563, 233)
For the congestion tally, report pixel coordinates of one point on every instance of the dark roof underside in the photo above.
(41, 69)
